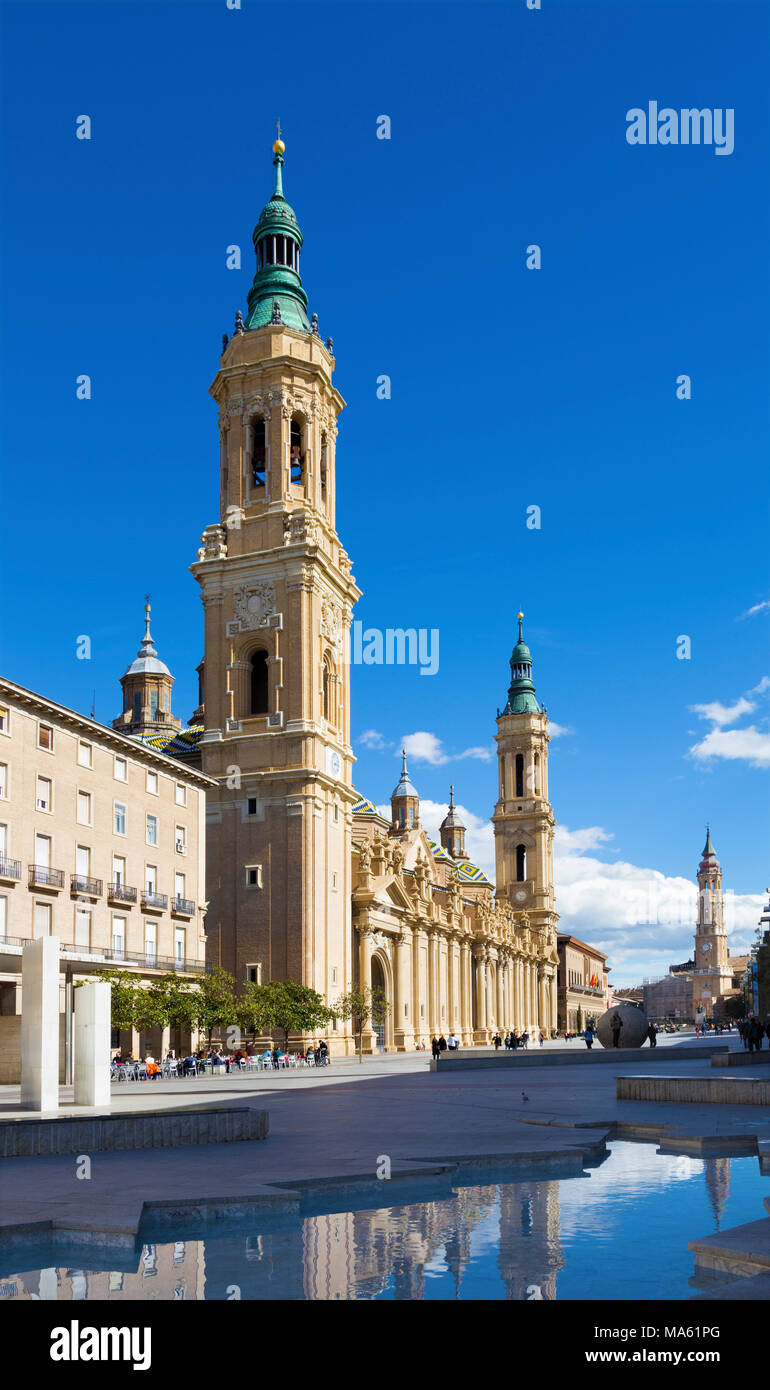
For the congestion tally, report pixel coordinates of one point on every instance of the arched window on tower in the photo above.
(521, 863)
(137, 705)
(519, 774)
(537, 774)
(329, 690)
(258, 450)
(296, 452)
(502, 777)
(324, 467)
(258, 703)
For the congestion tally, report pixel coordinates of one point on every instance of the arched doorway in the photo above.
(378, 983)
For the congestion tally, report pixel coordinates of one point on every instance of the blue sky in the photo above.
(510, 387)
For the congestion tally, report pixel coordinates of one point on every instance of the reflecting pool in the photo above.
(619, 1230)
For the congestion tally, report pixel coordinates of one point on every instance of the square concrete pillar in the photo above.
(92, 1044)
(40, 1024)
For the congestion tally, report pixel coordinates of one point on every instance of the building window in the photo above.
(151, 877)
(45, 737)
(150, 943)
(121, 770)
(84, 808)
(152, 829)
(253, 875)
(3, 781)
(43, 794)
(334, 880)
(519, 774)
(296, 452)
(521, 863)
(259, 451)
(324, 466)
(254, 974)
(152, 783)
(119, 936)
(181, 794)
(180, 953)
(43, 851)
(118, 818)
(137, 706)
(85, 754)
(42, 920)
(154, 703)
(82, 929)
(3, 918)
(5, 720)
(118, 869)
(251, 806)
(258, 694)
(181, 839)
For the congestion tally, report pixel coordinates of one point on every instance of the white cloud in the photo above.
(558, 730)
(721, 714)
(743, 745)
(762, 607)
(579, 840)
(424, 747)
(370, 738)
(484, 755)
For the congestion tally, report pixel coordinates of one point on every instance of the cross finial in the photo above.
(278, 127)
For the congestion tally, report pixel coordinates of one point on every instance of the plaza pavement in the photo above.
(334, 1126)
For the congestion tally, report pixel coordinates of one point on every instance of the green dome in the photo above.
(521, 692)
(276, 295)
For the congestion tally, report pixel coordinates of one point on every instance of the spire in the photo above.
(405, 800)
(452, 831)
(709, 862)
(277, 243)
(521, 692)
(146, 648)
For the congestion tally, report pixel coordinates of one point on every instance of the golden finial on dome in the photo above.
(521, 615)
(278, 145)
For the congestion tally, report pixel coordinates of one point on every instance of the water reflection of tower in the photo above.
(362, 1254)
(530, 1240)
(717, 1174)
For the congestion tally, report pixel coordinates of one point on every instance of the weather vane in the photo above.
(278, 127)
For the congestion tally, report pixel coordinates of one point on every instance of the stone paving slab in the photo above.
(743, 1251)
(754, 1288)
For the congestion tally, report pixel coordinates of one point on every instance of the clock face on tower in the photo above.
(521, 896)
(333, 762)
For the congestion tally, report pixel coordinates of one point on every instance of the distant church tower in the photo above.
(277, 594)
(713, 975)
(523, 820)
(452, 831)
(146, 691)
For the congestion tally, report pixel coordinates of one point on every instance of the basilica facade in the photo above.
(306, 879)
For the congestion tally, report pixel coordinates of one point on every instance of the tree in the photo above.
(363, 1003)
(255, 1009)
(213, 1003)
(123, 996)
(735, 1007)
(295, 1008)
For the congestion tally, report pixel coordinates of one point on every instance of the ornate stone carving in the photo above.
(214, 545)
(331, 621)
(253, 603)
(299, 529)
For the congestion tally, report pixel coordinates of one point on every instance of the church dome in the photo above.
(147, 661)
(471, 873)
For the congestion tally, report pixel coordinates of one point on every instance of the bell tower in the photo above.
(523, 819)
(278, 594)
(713, 975)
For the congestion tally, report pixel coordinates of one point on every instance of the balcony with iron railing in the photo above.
(143, 960)
(182, 907)
(10, 868)
(118, 892)
(83, 886)
(154, 902)
(40, 876)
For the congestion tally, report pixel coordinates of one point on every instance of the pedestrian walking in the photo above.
(589, 1037)
(652, 1034)
(616, 1024)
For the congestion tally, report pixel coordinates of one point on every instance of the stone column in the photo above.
(500, 994)
(465, 992)
(40, 1024)
(554, 1001)
(418, 1022)
(365, 978)
(434, 1022)
(451, 984)
(403, 1029)
(481, 993)
(92, 1044)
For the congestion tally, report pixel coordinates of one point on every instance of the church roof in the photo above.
(439, 852)
(177, 742)
(521, 692)
(364, 807)
(471, 873)
(277, 296)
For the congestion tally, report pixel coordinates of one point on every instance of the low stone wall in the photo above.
(475, 1060)
(740, 1059)
(160, 1129)
(732, 1090)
